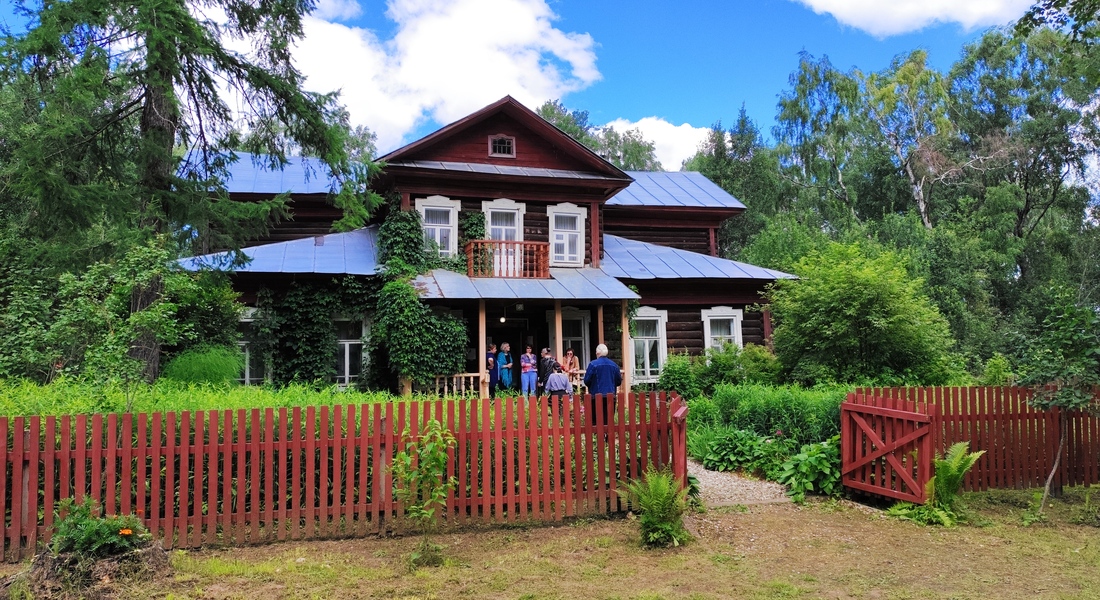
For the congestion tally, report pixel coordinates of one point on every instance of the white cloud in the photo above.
(883, 18)
(446, 59)
(337, 10)
(673, 144)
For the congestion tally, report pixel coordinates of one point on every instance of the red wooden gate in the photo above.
(887, 446)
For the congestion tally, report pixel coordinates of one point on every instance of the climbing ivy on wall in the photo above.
(420, 344)
(293, 329)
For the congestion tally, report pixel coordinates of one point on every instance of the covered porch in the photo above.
(573, 308)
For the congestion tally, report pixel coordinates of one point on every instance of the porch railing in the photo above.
(497, 258)
(459, 384)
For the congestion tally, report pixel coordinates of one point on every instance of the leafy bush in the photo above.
(732, 451)
(703, 412)
(806, 416)
(678, 376)
(661, 504)
(85, 533)
(700, 439)
(732, 365)
(856, 314)
(998, 371)
(740, 450)
(815, 469)
(209, 364)
(942, 490)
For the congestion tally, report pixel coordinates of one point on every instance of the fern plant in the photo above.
(660, 503)
(942, 490)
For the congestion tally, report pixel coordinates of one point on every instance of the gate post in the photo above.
(679, 442)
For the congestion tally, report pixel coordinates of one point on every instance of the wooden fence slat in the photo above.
(18, 492)
(49, 476)
(296, 525)
(284, 474)
(310, 508)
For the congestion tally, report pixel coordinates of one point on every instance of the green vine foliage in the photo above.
(420, 343)
(294, 332)
(401, 238)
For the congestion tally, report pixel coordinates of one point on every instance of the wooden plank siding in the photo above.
(472, 145)
(684, 331)
(692, 240)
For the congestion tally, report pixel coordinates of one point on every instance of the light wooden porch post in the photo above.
(557, 331)
(483, 374)
(599, 324)
(627, 370)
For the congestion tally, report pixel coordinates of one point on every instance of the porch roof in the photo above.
(631, 259)
(587, 283)
(352, 253)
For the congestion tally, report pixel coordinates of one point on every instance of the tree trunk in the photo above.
(1057, 459)
(160, 118)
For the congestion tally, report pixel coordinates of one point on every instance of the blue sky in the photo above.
(406, 67)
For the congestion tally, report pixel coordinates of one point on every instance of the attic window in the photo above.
(502, 145)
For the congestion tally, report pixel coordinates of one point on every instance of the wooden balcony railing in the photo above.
(495, 258)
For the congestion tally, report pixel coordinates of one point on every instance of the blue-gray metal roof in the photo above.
(683, 189)
(301, 175)
(467, 167)
(631, 259)
(587, 283)
(352, 253)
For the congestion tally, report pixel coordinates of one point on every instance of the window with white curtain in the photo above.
(439, 218)
(722, 325)
(566, 234)
(649, 343)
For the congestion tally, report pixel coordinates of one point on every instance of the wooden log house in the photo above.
(570, 239)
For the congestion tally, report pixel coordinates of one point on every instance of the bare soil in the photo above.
(825, 549)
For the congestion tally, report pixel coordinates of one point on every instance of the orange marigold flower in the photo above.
(125, 532)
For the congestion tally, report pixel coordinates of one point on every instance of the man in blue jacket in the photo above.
(602, 377)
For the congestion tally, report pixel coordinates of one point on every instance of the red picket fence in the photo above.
(246, 477)
(1020, 442)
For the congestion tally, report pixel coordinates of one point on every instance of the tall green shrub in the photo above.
(210, 364)
(854, 315)
(804, 415)
(678, 376)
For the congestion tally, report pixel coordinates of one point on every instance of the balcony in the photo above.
(496, 258)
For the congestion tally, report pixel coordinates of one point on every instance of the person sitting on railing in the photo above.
(571, 366)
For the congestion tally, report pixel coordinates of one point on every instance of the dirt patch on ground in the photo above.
(67, 577)
(828, 549)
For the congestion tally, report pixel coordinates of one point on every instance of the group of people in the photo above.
(545, 375)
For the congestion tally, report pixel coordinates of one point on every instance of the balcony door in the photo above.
(504, 223)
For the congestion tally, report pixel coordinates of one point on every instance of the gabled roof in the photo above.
(680, 189)
(525, 116)
(631, 259)
(351, 253)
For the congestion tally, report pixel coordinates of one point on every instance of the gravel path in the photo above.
(727, 489)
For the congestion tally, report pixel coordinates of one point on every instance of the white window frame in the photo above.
(723, 312)
(661, 316)
(571, 313)
(246, 377)
(344, 349)
(499, 136)
(442, 202)
(567, 208)
(503, 205)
